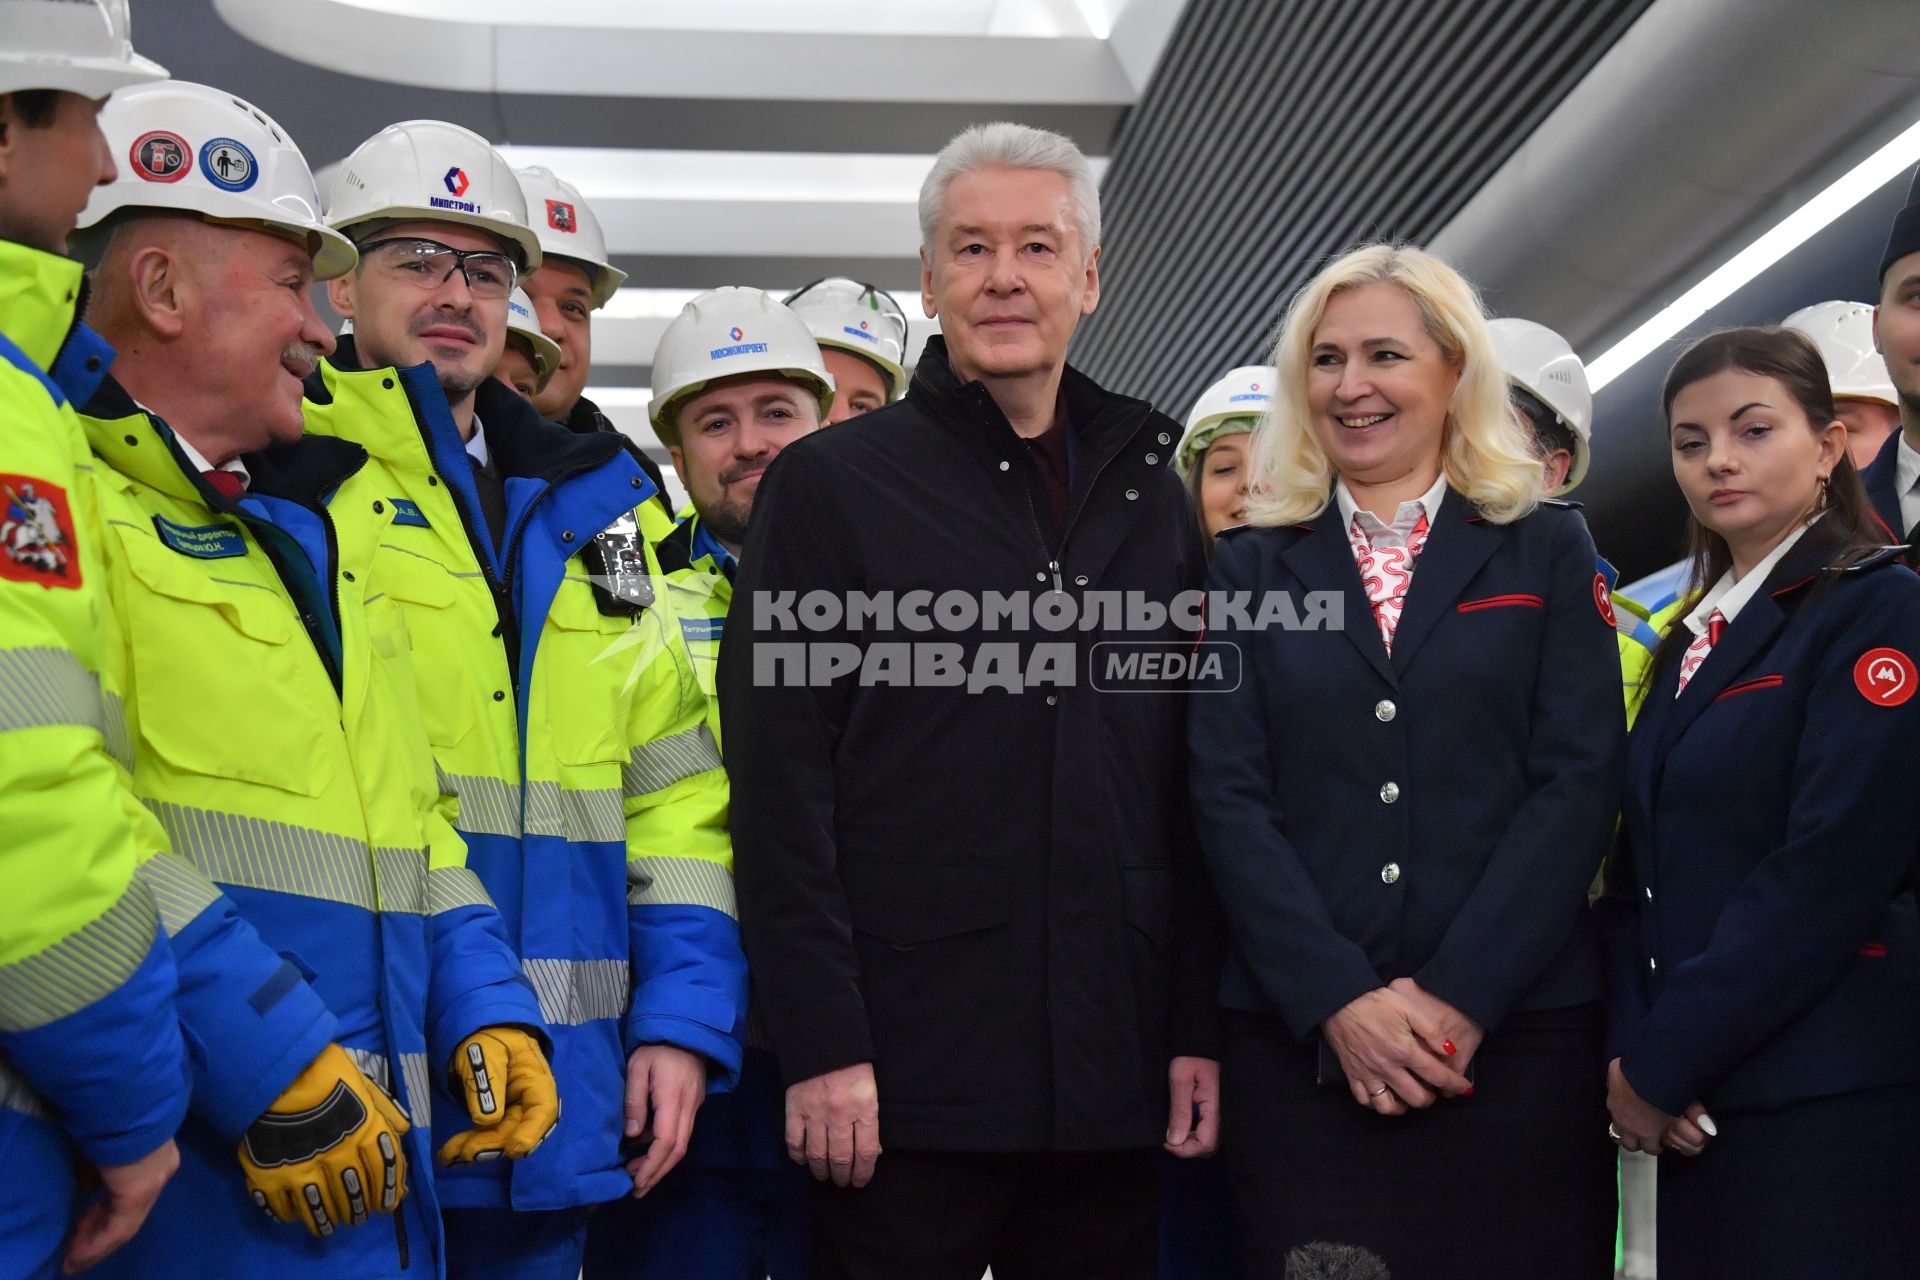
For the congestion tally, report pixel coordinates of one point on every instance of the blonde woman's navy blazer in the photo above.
(1766, 948)
(1438, 814)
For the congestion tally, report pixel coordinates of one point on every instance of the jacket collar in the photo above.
(40, 296)
(1791, 583)
(522, 443)
(1103, 420)
(1882, 478)
(142, 446)
(1459, 542)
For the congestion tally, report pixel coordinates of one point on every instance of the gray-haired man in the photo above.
(959, 895)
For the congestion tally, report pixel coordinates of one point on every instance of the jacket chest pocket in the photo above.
(226, 682)
(584, 676)
(440, 635)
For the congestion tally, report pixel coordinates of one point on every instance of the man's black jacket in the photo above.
(981, 892)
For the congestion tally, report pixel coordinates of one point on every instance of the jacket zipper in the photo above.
(1073, 516)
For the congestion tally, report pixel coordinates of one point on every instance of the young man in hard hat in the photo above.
(92, 1065)
(1893, 478)
(530, 357)
(576, 277)
(1552, 396)
(737, 378)
(557, 692)
(275, 734)
(862, 334)
(1863, 393)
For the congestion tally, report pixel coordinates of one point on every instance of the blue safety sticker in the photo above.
(703, 629)
(228, 164)
(202, 542)
(405, 512)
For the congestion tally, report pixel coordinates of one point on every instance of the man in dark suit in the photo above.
(1893, 478)
(959, 886)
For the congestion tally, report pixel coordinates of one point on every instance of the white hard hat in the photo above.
(727, 332)
(1544, 364)
(429, 170)
(1843, 331)
(179, 145)
(567, 228)
(859, 318)
(81, 46)
(523, 324)
(1231, 405)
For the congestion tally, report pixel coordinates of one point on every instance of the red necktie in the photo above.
(1702, 645)
(225, 483)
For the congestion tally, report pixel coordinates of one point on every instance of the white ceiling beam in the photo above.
(464, 50)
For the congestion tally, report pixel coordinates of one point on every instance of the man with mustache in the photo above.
(725, 406)
(555, 687)
(334, 951)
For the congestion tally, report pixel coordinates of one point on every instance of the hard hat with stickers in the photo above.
(1231, 405)
(1843, 331)
(1544, 365)
(856, 317)
(727, 332)
(79, 46)
(184, 146)
(567, 228)
(431, 171)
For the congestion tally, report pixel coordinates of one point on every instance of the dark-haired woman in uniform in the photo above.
(1765, 983)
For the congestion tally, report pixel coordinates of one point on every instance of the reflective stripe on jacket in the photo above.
(590, 788)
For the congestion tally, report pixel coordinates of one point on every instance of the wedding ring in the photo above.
(1374, 1093)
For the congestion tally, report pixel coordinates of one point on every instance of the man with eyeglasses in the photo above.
(555, 688)
(862, 332)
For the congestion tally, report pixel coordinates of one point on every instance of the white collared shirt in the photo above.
(1729, 596)
(1906, 472)
(477, 444)
(200, 463)
(1408, 514)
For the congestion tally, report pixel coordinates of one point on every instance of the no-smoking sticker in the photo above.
(1885, 677)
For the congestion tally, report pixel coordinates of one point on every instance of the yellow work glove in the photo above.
(327, 1151)
(510, 1094)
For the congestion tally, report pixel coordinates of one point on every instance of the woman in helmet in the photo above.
(1213, 453)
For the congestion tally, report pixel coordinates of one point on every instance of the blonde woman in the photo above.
(1402, 810)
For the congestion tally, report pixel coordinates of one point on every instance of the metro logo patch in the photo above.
(1603, 600)
(1885, 677)
(160, 156)
(203, 542)
(560, 217)
(36, 533)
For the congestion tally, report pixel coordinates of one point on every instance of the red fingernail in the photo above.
(1468, 1093)
(1448, 1046)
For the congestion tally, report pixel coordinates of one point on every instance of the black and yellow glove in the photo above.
(327, 1152)
(510, 1094)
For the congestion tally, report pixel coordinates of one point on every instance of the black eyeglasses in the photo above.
(429, 264)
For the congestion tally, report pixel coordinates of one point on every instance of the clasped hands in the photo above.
(1638, 1125)
(1403, 1048)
